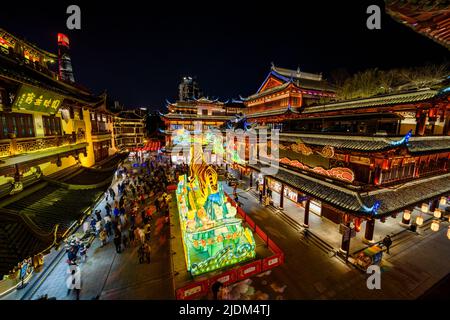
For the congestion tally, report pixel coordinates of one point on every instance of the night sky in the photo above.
(138, 51)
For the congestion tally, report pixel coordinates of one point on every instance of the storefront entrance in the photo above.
(101, 150)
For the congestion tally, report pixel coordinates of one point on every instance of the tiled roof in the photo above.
(268, 91)
(426, 144)
(24, 74)
(196, 116)
(392, 200)
(275, 112)
(16, 244)
(45, 208)
(53, 205)
(399, 98)
(370, 143)
(412, 193)
(359, 143)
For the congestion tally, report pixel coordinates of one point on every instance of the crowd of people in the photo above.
(137, 195)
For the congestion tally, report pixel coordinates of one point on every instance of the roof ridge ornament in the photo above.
(373, 209)
(403, 140)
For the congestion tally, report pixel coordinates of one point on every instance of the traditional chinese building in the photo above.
(199, 114)
(129, 130)
(49, 129)
(288, 89)
(352, 161)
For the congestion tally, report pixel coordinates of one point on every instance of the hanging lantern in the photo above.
(407, 215)
(448, 233)
(424, 207)
(443, 201)
(419, 220)
(437, 213)
(435, 225)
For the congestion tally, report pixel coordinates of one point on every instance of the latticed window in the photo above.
(18, 124)
(52, 125)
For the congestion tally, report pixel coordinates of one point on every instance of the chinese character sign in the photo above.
(36, 99)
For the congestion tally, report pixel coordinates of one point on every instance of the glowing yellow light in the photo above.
(424, 207)
(448, 233)
(419, 220)
(435, 225)
(406, 214)
(437, 213)
(443, 201)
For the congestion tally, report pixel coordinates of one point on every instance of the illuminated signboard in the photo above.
(36, 99)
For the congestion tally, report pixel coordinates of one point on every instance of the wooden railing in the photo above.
(15, 146)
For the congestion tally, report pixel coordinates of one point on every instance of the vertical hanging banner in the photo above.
(36, 99)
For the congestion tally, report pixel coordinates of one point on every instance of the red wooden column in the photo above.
(421, 120)
(433, 205)
(370, 227)
(306, 217)
(345, 244)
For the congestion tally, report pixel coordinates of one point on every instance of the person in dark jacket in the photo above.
(98, 215)
(387, 241)
(118, 240)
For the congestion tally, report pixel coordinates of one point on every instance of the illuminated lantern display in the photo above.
(437, 213)
(213, 238)
(443, 201)
(419, 220)
(424, 207)
(435, 225)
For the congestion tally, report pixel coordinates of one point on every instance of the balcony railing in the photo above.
(24, 145)
(100, 132)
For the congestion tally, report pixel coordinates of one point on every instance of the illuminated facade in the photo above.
(46, 124)
(353, 160)
(129, 130)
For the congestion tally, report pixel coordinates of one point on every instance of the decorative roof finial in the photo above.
(272, 65)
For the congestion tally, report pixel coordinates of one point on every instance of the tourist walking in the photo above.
(118, 240)
(103, 236)
(73, 282)
(387, 241)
